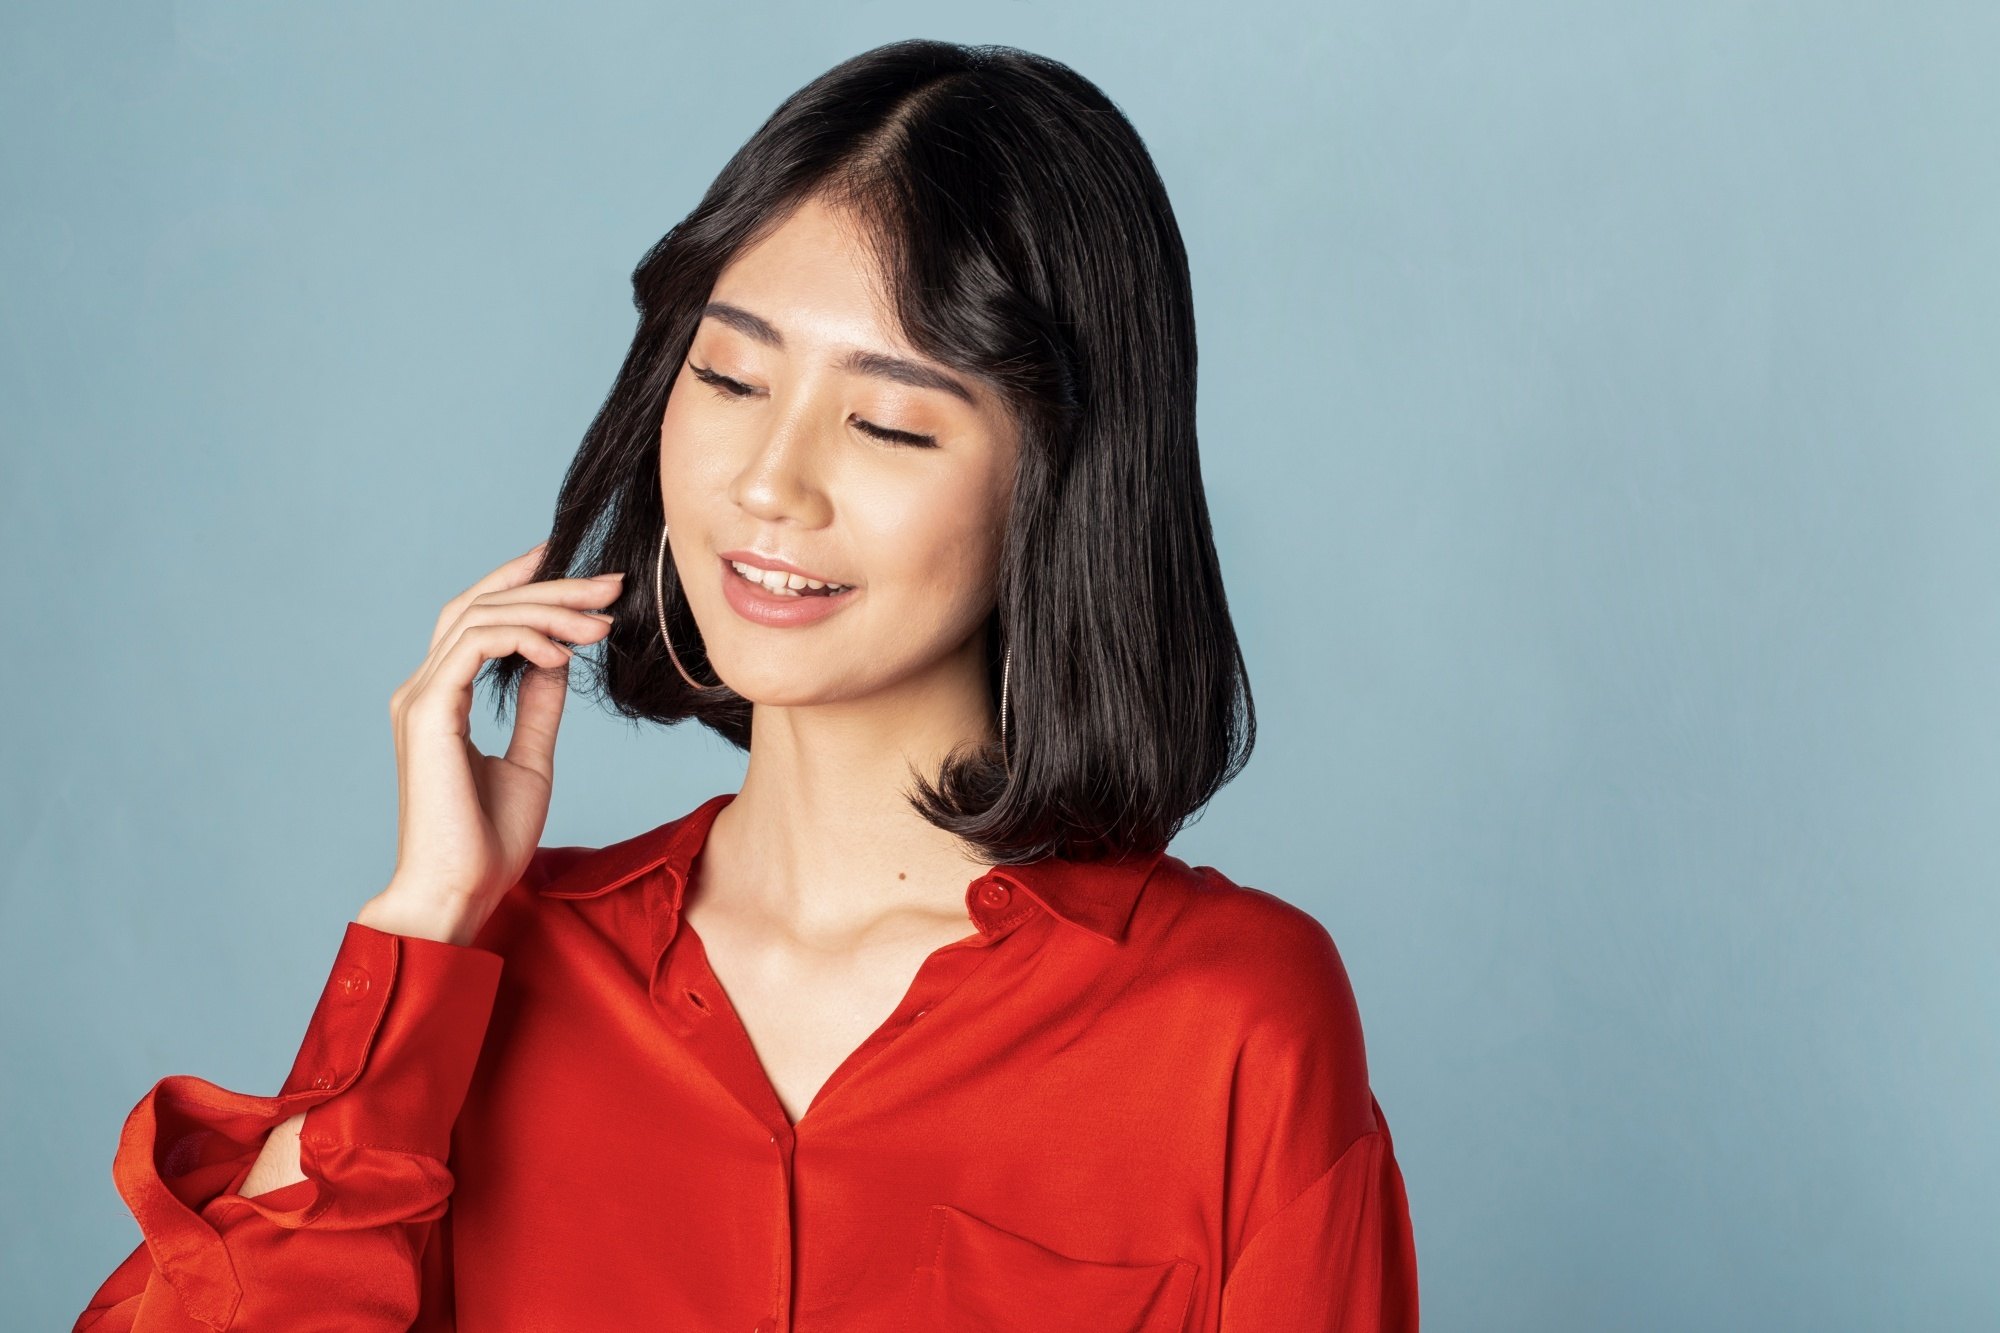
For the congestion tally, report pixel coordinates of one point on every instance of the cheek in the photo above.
(677, 431)
(944, 547)
(691, 445)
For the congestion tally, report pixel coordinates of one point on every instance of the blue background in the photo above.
(1598, 408)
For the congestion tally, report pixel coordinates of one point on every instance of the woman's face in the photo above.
(801, 428)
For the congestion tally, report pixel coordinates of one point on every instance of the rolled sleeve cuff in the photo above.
(382, 1073)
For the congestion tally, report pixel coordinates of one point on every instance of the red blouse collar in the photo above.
(1095, 895)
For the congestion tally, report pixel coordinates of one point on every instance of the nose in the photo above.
(781, 479)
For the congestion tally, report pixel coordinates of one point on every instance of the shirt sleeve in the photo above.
(382, 1072)
(1317, 1226)
(1339, 1258)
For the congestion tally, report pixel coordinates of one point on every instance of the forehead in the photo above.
(812, 287)
(813, 277)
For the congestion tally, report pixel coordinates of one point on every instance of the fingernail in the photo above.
(607, 578)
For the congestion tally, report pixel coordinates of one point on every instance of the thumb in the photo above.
(538, 710)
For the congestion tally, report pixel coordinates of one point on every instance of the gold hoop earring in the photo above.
(660, 605)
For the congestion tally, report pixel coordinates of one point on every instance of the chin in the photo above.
(777, 682)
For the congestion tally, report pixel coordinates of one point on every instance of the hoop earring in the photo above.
(1006, 668)
(660, 605)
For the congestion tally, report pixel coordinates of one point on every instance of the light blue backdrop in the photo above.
(1598, 408)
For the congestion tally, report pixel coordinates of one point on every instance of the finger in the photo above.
(584, 592)
(512, 574)
(444, 701)
(566, 625)
(538, 711)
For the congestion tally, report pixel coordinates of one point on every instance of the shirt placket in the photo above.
(695, 1009)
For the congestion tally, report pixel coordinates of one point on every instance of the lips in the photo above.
(761, 586)
(778, 564)
(758, 605)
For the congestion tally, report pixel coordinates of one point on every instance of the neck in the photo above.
(821, 838)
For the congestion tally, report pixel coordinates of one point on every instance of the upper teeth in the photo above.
(779, 581)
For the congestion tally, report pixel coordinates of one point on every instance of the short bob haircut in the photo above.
(1028, 240)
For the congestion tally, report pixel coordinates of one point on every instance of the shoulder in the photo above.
(1268, 1005)
(574, 902)
(524, 909)
(1267, 955)
(549, 864)
(1268, 970)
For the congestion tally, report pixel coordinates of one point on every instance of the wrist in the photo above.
(404, 914)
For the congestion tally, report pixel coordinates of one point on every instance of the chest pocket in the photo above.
(974, 1277)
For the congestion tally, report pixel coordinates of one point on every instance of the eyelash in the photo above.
(729, 388)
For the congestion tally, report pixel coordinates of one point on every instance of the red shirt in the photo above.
(1133, 1100)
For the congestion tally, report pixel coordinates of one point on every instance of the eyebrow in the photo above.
(880, 365)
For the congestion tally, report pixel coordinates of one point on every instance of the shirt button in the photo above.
(994, 895)
(766, 1326)
(324, 1079)
(353, 984)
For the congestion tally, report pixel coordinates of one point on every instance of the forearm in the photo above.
(277, 1164)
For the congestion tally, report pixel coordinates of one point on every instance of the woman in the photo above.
(922, 1028)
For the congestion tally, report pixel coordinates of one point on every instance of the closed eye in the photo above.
(896, 436)
(729, 388)
(722, 384)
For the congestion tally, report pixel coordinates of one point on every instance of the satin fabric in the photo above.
(1134, 1098)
